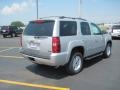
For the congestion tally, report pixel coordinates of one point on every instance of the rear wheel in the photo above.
(75, 64)
(4, 36)
(16, 35)
(11, 35)
(107, 52)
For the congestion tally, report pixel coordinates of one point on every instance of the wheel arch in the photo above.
(78, 49)
(109, 42)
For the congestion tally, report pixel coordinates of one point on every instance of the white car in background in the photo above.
(115, 31)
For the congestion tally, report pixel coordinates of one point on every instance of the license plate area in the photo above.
(34, 45)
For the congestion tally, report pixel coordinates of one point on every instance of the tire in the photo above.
(75, 64)
(11, 35)
(107, 52)
(4, 36)
(16, 35)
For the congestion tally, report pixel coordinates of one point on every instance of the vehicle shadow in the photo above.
(89, 63)
(47, 71)
(115, 38)
(59, 73)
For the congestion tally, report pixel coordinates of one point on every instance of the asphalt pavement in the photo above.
(17, 73)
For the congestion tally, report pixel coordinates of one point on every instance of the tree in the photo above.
(17, 23)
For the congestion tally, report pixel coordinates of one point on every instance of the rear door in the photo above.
(37, 38)
(68, 33)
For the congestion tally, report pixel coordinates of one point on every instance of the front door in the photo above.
(97, 35)
(87, 38)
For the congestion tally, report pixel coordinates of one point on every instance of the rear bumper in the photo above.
(55, 59)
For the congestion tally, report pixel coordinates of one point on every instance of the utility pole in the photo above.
(37, 8)
(80, 8)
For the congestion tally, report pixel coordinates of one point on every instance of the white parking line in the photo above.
(6, 49)
(10, 56)
(9, 47)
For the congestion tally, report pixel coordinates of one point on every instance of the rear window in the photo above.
(68, 28)
(40, 28)
(4, 27)
(116, 27)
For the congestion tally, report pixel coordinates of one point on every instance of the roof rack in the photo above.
(82, 19)
(66, 17)
(62, 17)
(49, 17)
(72, 18)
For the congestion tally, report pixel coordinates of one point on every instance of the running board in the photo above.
(93, 56)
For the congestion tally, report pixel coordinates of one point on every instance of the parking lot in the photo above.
(16, 73)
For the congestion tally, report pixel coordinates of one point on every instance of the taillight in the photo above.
(55, 45)
(21, 40)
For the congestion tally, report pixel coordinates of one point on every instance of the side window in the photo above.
(95, 29)
(10, 28)
(68, 28)
(85, 29)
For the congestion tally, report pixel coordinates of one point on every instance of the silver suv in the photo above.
(64, 41)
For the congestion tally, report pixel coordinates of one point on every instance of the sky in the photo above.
(98, 11)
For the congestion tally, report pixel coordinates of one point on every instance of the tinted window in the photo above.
(12, 27)
(68, 28)
(4, 27)
(85, 29)
(39, 28)
(95, 29)
(116, 27)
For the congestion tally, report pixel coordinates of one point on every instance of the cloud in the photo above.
(16, 7)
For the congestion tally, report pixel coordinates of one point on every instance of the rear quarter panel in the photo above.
(68, 43)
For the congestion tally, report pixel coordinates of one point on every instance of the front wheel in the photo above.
(107, 52)
(76, 63)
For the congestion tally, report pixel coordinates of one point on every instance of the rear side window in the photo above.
(68, 28)
(116, 27)
(85, 29)
(40, 28)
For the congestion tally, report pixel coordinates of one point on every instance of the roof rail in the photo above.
(82, 19)
(66, 17)
(62, 17)
(49, 17)
(73, 18)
